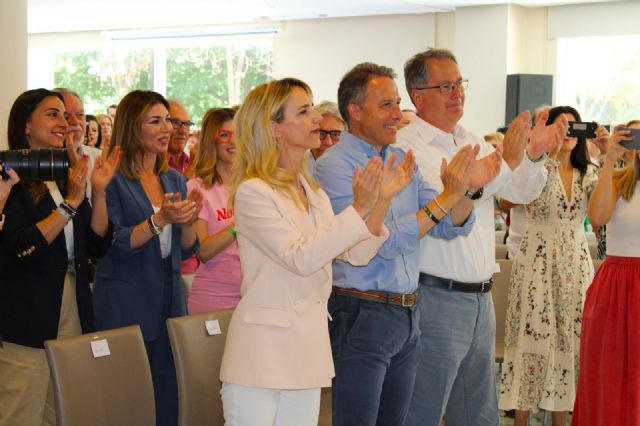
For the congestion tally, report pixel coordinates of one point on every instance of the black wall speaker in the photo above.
(527, 92)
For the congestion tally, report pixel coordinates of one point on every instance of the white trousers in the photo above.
(246, 406)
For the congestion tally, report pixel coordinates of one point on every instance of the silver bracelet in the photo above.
(64, 213)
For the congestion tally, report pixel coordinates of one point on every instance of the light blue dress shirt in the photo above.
(395, 268)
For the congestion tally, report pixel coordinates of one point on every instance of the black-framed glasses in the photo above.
(447, 88)
(335, 134)
(177, 123)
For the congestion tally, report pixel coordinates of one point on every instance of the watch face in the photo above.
(475, 195)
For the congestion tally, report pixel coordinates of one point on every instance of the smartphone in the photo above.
(579, 129)
(632, 144)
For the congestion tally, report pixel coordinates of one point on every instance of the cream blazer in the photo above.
(278, 336)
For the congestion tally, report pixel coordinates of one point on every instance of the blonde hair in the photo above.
(258, 152)
(625, 179)
(205, 161)
(127, 131)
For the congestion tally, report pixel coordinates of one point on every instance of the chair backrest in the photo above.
(197, 348)
(500, 295)
(114, 389)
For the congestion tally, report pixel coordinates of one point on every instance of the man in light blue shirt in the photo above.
(374, 332)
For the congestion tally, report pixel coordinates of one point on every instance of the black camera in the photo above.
(37, 164)
(578, 129)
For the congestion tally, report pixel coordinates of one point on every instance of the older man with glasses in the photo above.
(331, 128)
(456, 372)
(178, 159)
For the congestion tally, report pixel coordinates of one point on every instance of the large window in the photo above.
(200, 73)
(599, 76)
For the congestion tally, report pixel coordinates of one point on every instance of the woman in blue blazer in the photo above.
(138, 281)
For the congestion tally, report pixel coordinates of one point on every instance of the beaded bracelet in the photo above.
(430, 214)
(68, 208)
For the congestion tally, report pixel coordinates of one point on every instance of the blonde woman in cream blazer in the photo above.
(278, 354)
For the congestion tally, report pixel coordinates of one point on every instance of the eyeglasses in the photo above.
(177, 123)
(447, 88)
(335, 134)
(224, 136)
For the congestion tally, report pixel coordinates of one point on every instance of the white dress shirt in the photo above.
(469, 258)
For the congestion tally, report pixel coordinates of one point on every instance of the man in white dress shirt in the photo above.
(456, 376)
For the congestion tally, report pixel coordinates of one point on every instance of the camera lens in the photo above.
(37, 164)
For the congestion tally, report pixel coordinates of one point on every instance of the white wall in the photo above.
(320, 52)
(13, 50)
(489, 41)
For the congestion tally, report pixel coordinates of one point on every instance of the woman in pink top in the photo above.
(217, 281)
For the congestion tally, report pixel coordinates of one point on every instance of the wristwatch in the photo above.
(474, 195)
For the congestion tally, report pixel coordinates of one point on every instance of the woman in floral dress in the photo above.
(551, 272)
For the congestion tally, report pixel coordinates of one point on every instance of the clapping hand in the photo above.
(366, 186)
(104, 169)
(485, 169)
(176, 210)
(195, 196)
(545, 138)
(456, 175)
(515, 140)
(394, 179)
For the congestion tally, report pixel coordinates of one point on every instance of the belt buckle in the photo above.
(405, 303)
(482, 286)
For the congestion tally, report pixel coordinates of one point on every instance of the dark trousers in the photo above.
(163, 370)
(376, 349)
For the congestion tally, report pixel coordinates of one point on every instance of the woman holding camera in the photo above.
(609, 385)
(551, 272)
(138, 281)
(49, 229)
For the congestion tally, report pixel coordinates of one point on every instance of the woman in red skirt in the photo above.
(609, 381)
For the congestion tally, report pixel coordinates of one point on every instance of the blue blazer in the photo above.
(129, 283)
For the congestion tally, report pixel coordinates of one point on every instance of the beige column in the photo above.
(13, 65)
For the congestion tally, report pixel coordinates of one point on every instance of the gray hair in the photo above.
(329, 108)
(64, 91)
(416, 72)
(353, 86)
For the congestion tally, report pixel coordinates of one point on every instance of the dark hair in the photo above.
(579, 154)
(21, 110)
(93, 118)
(353, 85)
(416, 71)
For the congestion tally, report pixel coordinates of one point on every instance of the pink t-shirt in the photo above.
(217, 281)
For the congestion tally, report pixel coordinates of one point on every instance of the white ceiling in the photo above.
(84, 15)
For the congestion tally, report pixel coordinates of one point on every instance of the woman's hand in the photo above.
(175, 210)
(394, 179)
(615, 151)
(7, 184)
(104, 169)
(77, 181)
(195, 196)
(366, 186)
(456, 175)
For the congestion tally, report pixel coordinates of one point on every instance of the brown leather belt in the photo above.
(406, 300)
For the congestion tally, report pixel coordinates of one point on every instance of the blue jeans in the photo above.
(376, 348)
(456, 373)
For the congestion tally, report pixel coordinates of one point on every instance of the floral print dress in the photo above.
(550, 275)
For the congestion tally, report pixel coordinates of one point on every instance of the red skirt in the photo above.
(609, 378)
